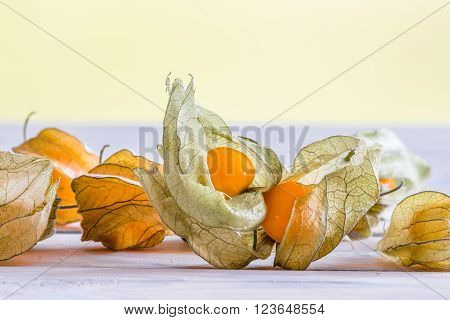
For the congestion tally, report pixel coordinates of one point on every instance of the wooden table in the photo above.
(62, 267)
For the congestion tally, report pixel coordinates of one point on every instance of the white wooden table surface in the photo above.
(62, 267)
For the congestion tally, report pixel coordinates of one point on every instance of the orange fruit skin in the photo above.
(230, 170)
(388, 182)
(280, 202)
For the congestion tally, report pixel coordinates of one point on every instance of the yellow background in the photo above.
(250, 60)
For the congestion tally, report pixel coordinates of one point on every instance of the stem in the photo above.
(101, 153)
(168, 82)
(25, 125)
(393, 190)
(73, 206)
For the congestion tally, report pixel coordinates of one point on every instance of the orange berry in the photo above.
(280, 202)
(388, 183)
(231, 171)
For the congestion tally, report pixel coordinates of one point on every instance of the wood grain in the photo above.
(62, 267)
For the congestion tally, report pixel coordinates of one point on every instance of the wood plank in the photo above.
(71, 269)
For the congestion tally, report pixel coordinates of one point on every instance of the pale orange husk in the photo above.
(116, 210)
(71, 159)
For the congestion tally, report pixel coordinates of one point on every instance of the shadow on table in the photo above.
(174, 254)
